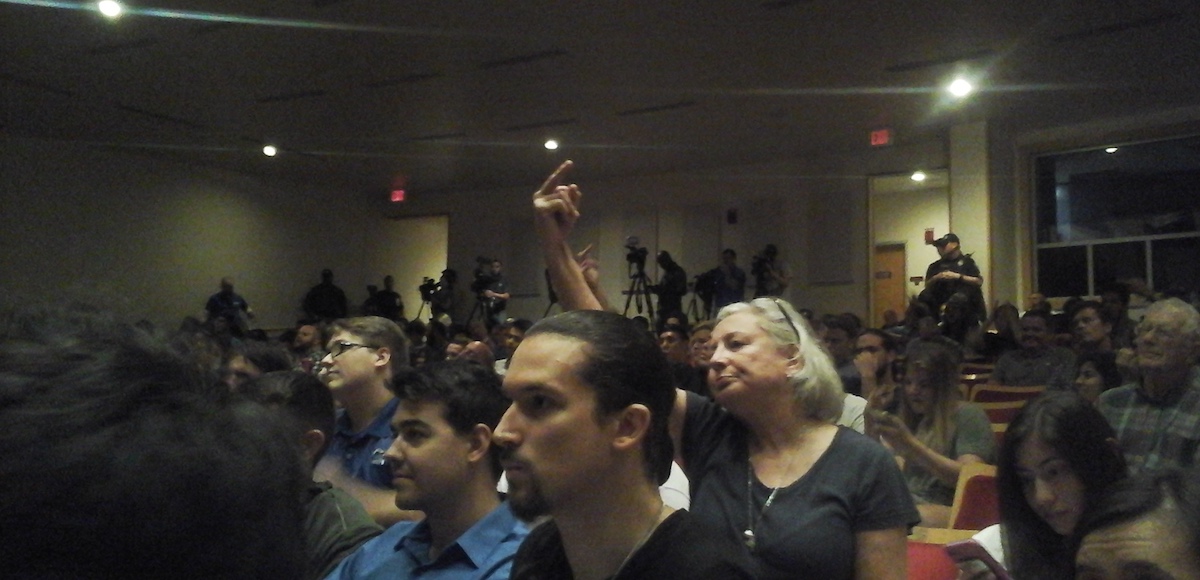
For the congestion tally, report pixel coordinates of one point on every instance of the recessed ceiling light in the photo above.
(918, 176)
(551, 144)
(960, 87)
(270, 150)
(1111, 150)
(110, 8)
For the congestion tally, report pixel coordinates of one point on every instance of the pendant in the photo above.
(748, 537)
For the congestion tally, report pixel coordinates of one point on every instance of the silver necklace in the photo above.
(752, 521)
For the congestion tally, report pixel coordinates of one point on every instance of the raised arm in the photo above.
(555, 210)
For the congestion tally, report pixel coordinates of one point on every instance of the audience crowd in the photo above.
(803, 445)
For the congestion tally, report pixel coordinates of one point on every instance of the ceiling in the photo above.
(440, 95)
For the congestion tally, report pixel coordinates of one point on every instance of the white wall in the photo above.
(901, 218)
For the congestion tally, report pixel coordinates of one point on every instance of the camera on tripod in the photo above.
(428, 288)
(637, 254)
(483, 274)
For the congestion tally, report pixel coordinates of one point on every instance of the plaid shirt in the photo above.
(1156, 433)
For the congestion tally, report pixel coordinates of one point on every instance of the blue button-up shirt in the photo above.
(361, 453)
(484, 552)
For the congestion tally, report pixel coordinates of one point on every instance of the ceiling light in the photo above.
(270, 150)
(1111, 150)
(918, 176)
(960, 87)
(551, 144)
(110, 8)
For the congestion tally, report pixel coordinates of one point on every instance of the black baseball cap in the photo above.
(946, 239)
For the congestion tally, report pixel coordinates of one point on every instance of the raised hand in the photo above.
(556, 206)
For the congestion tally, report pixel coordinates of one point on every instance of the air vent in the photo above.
(404, 80)
(921, 64)
(523, 59)
(131, 45)
(159, 116)
(543, 124)
(291, 96)
(1117, 27)
(656, 109)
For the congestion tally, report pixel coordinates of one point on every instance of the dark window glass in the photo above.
(1177, 266)
(1063, 271)
(1122, 261)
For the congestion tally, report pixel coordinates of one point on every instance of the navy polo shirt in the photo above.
(361, 453)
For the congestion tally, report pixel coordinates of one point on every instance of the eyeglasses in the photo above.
(791, 324)
(340, 347)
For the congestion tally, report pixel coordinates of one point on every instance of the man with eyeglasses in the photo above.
(362, 356)
(1157, 417)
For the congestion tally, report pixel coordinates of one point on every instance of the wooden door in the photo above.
(888, 282)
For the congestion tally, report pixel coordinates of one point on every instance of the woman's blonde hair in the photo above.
(938, 366)
(816, 387)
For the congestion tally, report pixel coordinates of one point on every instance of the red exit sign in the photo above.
(881, 137)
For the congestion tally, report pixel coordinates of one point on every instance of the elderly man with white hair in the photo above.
(1157, 416)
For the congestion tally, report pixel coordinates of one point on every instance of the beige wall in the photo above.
(901, 218)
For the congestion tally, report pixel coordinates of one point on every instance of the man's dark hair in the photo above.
(841, 322)
(306, 400)
(120, 463)
(679, 329)
(1039, 314)
(267, 356)
(1120, 289)
(729, 252)
(468, 391)
(889, 340)
(1138, 496)
(625, 367)
(1103, 314)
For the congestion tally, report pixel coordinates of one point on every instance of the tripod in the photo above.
(484, 309)
(422, 309)
(639, 287)
(693, 311)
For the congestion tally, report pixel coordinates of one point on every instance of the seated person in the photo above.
(935, 433)
(249, 359)
(121, 460)
(1037, 363)
(1058, 457)
(443, 462)
(335, 524)
(1147, 526)
(1095, 373)
(1091, 328)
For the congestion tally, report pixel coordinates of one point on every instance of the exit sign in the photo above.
(881, 137)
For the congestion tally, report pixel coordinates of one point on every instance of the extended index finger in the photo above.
(554, 179)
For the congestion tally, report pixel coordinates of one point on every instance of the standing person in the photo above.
(953, 273)
(670, 288)
(325, 301)
(1157, 416)
(758, 455)
(586, 442)
(729, 281)
(495, 294)
(935, 432)
(229, 306)
(388, 301)
(443, 462)
(1058, 458)
(770, 273)
(362, 356)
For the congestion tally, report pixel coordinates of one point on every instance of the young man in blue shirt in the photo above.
(443, 463)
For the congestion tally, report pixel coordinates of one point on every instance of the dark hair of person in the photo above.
(1120, 289)
(120, 463)
(679, 329)
(1138, 496)
(1106, 365)
(306, 400)
(1042, 315)
(267, 356)
(888, 339)
(522, 324)
(841, 322)
(625, 367)
(1098, 308)
(1079, 434)
(468, 392)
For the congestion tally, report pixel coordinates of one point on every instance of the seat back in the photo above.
(930, 562)
(1003, 412)
(985, 393)
(976, 504)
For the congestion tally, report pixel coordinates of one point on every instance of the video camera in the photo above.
(428, 288)
(483, 274)
(637, 254)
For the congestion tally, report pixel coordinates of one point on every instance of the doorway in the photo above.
(887, 282)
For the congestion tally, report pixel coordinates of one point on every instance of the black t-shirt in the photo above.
(938, 293)
(809, 530)
(678, 548)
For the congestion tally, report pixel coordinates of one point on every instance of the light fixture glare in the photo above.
(551, 144)
(960, 87)
(918, 176)
(110, 8)
(1110, 150)
(270, 150)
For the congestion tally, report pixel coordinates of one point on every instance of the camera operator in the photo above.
(729, 281)
(670, 289)
(770, 274)
(490, 289)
